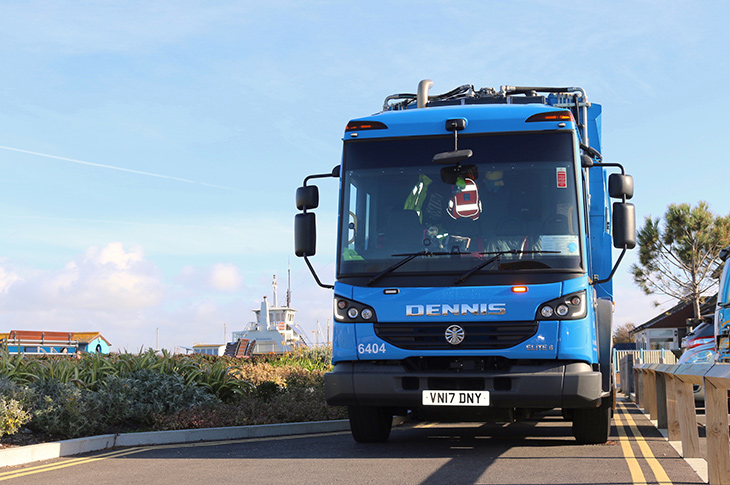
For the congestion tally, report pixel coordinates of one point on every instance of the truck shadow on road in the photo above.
(448, 453)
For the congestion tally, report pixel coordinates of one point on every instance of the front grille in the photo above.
(477, 335)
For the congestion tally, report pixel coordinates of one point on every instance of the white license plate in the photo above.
(455, 398)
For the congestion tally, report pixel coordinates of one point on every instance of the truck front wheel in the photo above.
(370, 424)
(593, 426)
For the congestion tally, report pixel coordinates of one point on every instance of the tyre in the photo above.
(593, 426)
(370, 424)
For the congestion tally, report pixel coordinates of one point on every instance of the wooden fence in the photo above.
(624, 379)
(665, 392)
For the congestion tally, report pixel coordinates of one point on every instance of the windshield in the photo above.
(515, 196)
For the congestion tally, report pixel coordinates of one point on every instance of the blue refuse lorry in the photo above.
(475, 258)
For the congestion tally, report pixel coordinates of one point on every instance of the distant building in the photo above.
(92, 342)
(209, 349)
(666, 330)
(39, 342)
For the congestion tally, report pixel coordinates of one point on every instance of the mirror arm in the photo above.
(611, 164)
(613, 271)
(334, 173)
(316, 278)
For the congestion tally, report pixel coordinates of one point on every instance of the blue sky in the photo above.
(150, 150)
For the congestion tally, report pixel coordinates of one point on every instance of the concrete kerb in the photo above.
(22, 455)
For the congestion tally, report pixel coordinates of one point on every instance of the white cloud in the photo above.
(115, 290)
(109, 278)
(7, 279)
(225, 277)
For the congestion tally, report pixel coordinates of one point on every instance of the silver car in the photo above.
(700, 354)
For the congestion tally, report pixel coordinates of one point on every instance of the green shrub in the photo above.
(12, 416)
(120, 403)
(146, 393)
(64, 410)
(98, 393)
(23, 393)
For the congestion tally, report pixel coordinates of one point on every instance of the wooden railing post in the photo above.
(650, 391)
(687, 375)
(661, 395)
(717, 383)
(639, 382)
(673, 432)
(687, 417)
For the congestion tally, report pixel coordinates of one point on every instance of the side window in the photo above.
(724, 294)
(352, 219)
(356, 237)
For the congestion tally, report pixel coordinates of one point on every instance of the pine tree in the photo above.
(678, 256)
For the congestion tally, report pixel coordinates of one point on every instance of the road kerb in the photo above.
(22, 455)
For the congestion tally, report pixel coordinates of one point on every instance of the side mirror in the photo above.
(305, 234)
(624, 225)
(305, 224)
(307, 197)
(620, 186)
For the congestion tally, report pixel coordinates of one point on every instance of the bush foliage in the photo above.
(98, 394)
(12, 416)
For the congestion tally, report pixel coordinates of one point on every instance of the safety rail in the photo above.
(40, 346)
(661, 356)
(666, 393)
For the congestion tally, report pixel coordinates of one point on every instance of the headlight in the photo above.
(546, 311)
(352, 311)
(702, 357)
(568, 307)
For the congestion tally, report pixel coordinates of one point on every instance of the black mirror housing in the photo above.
(450, 175)
(624, 225)
(307, 197)
(305, 234)
(446, 158)
(620, 185)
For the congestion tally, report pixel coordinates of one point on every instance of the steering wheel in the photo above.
(354, 227)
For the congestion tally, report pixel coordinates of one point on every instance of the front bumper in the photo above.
(535, 386)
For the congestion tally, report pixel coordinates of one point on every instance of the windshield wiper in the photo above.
(496, 257)
(409, 257)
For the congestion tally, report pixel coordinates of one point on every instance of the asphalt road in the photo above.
(540, 451)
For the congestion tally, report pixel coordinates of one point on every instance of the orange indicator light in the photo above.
(551, 116)
(519, 289)
(365, 125)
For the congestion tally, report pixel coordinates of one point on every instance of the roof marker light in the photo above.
(551, 116)
(365, 125)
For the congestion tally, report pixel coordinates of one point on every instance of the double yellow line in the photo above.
(67, 463)
(637, 475)
(131, 451)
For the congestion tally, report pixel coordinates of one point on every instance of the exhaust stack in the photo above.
(422, 95)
